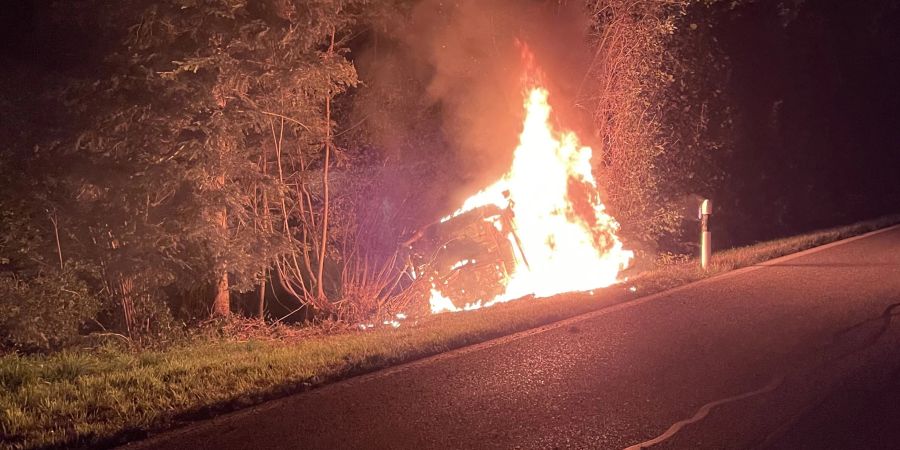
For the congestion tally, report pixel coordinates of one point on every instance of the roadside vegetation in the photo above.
(265, 159)
(105, 394)
(207, 204)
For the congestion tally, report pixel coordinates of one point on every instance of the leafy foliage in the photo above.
(46, 312)
(654, 92)
(190, 155)
(210, 148)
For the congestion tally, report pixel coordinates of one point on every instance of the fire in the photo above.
(562, 236)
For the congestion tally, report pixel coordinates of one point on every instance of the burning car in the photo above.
(539, 230)
(469, 258)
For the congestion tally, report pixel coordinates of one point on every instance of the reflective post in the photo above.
(705, 235)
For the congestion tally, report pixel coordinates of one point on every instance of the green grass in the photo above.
(107, 396)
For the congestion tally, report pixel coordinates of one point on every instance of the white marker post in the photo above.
(705, 235)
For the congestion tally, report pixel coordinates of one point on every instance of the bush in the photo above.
(45, 312)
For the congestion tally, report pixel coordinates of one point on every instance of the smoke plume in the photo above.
(448, 78)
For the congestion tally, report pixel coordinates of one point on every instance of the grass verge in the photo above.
(105, 397)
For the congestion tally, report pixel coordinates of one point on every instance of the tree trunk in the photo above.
(262, 298)
(320, 277)
(222, 302)
(55, 222)
(125, 290)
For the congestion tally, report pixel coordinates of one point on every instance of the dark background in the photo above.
(816, 116)
(812, 85)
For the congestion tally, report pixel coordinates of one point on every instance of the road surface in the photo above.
(801, 352)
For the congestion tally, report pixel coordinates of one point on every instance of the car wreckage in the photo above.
(467, 258)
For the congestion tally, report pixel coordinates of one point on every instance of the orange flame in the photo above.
(566, 240)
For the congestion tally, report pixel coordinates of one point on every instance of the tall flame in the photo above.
(564, 239)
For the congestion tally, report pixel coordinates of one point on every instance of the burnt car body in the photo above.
(469, 257)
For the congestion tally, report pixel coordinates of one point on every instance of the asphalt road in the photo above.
(799, 353)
